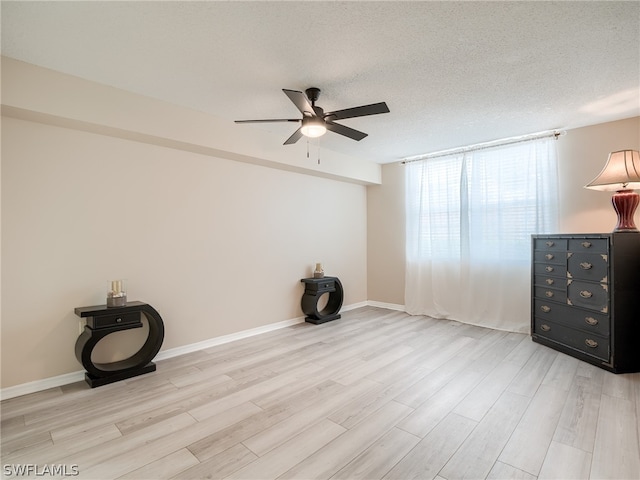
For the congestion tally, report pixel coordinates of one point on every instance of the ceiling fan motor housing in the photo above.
(313, 94)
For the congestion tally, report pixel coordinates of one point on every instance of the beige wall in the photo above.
(581, 154)
(386, 237)
(216, 246)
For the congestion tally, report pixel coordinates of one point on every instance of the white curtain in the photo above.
(470, 217)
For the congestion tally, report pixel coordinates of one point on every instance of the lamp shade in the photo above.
(313, 127)
(622, 171)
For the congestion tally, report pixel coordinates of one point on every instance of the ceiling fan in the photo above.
(315, 122)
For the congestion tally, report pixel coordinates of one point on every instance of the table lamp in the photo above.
(621, 174)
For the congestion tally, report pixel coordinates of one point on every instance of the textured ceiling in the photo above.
(452, 73)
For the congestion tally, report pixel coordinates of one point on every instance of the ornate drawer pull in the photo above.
(545, 309)
(544, 327)
(549, 256)
(586, 294)
(550, 243)
(591, 320)
(548, 268)
(548, 294)
(586, 244)
(591, 343)
(549, 281)
(586, 266)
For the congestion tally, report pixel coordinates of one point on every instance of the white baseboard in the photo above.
(67, 378)
(353, 306)
(212, 342)
(39, 385)
(389, 306)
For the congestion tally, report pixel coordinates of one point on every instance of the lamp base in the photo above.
(625, 203)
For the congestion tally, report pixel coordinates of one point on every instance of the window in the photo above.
(473, 213)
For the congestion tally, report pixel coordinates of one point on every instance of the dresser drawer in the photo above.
(597, 323)
(105, 321)
(550, 282)
(550, 269)
(588, 266)
(585, 342)
(590, 245)
(572, 317)
(550, 244)
(557, 258)
(559, 295)
(594, 296)
(550, 310)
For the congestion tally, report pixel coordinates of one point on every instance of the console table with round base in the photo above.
(314, 288)
(102, 321)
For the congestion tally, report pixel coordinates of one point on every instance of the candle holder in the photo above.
(318, 272)
(116, 295)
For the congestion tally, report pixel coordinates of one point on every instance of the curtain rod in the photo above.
(482, 146)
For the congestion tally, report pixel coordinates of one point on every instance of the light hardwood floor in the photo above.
(377, 394)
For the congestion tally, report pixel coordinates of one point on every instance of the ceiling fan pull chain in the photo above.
(307, 147)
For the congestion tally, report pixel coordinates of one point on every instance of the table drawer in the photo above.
(105, 321)
(325, 286)
(584, 341)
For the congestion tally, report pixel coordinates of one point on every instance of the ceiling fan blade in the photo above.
(363, 111)
(294, 138)
(300, 100)
(346, 131)
(269, 120)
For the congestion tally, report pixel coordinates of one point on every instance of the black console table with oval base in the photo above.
(314, 288)
(102, 321)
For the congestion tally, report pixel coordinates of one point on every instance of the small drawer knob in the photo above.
(549, 281)
(591, 343)
(548, 268)
(586, 294)
(548, 294)
(586, 244)
(544, 327)
(586, 266)
(590, 321)
(545, 308)
(550, 243)
(549, 256)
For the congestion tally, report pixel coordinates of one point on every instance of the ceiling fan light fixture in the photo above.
(313, 127)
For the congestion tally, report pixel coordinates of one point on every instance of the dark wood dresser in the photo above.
(586, 297)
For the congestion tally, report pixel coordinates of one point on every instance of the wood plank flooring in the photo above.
(378, 394)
